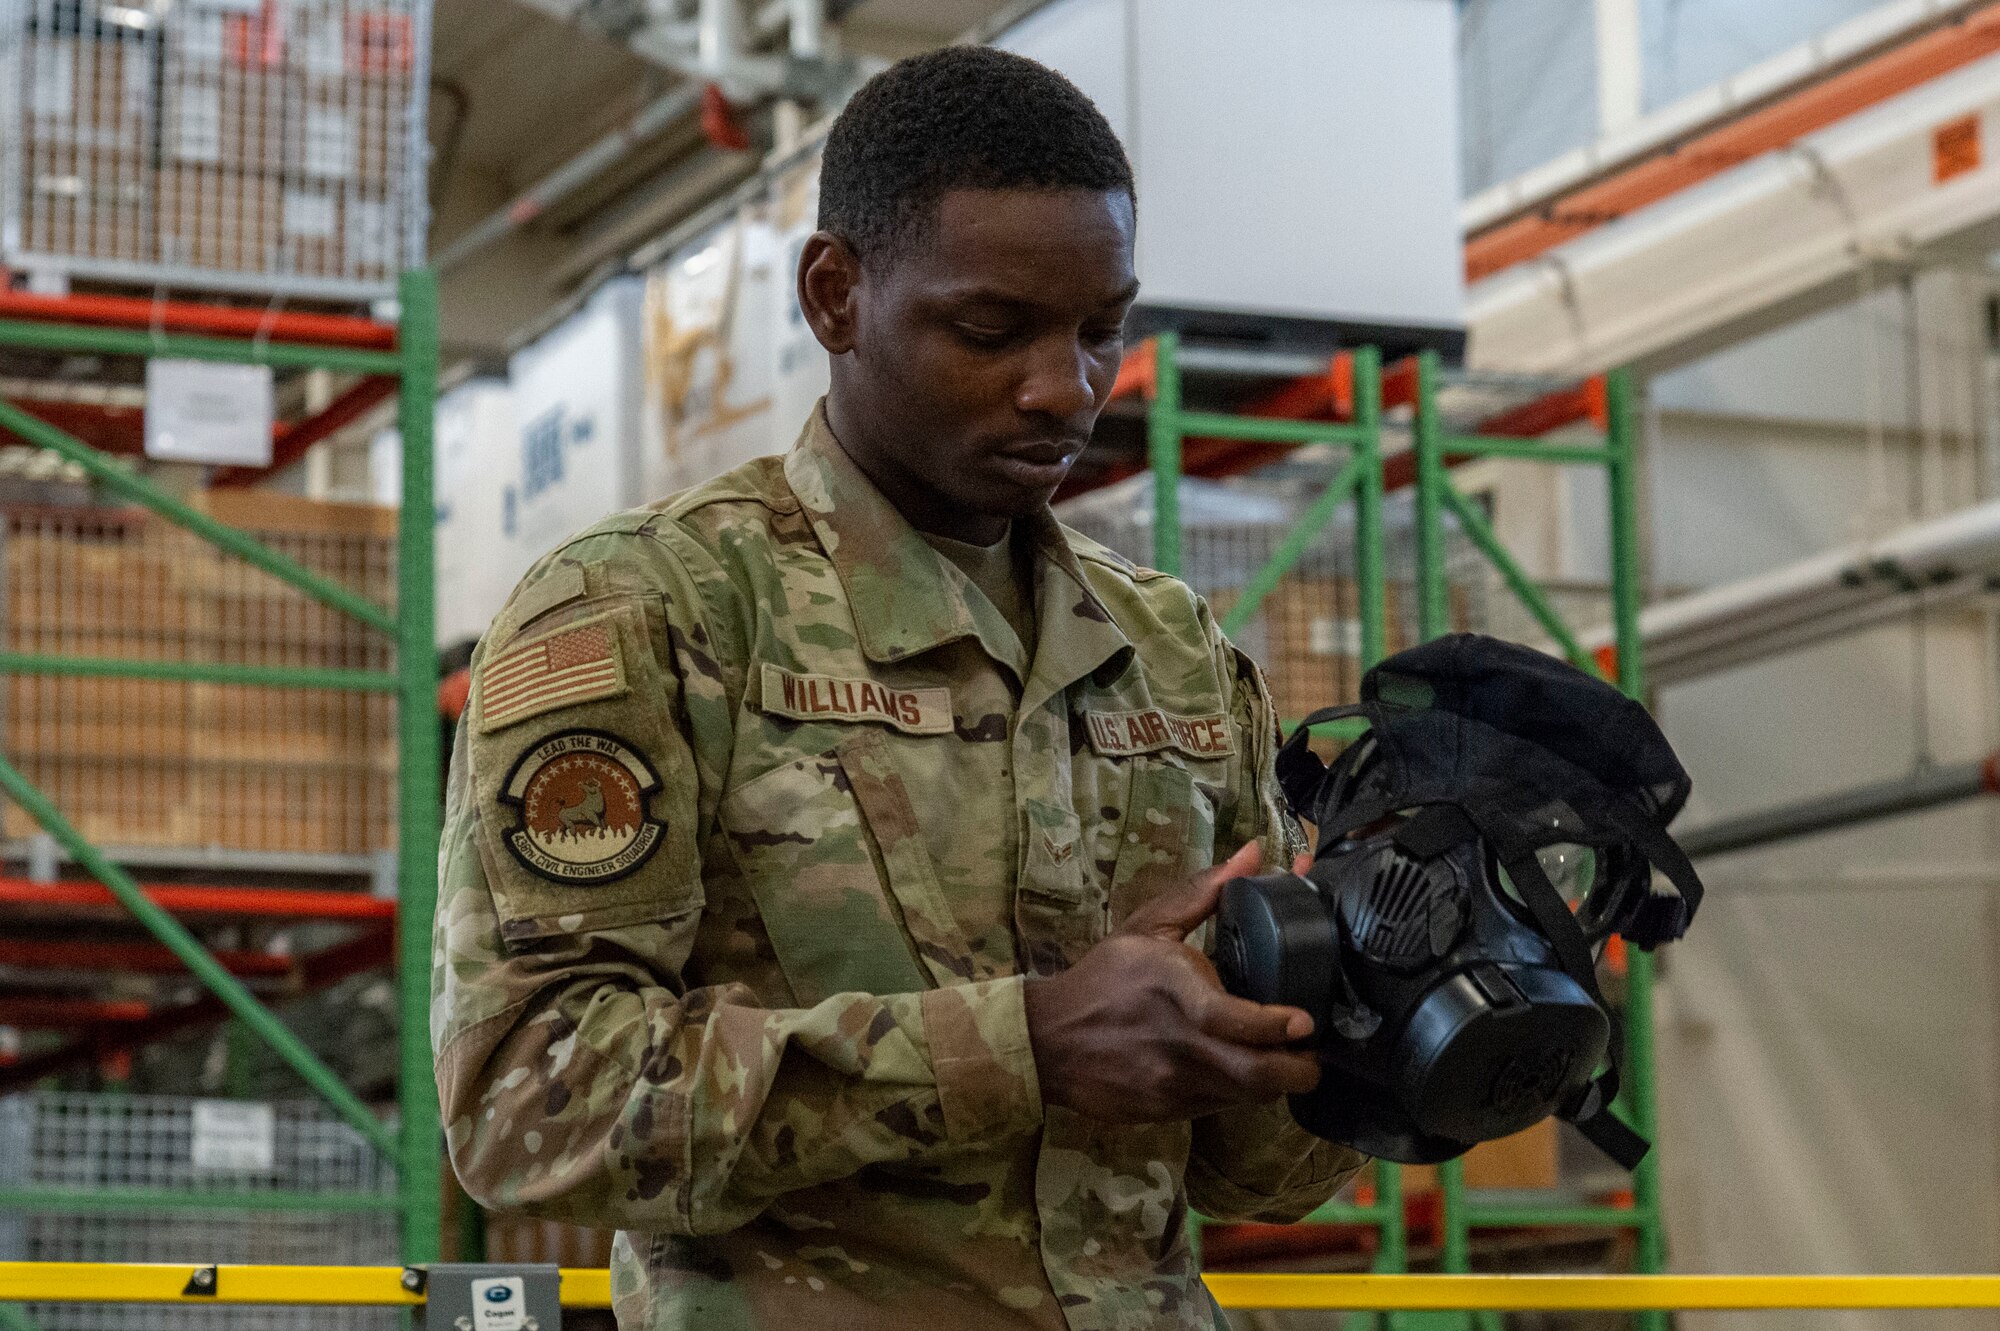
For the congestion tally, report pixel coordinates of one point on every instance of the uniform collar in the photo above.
(902, 593)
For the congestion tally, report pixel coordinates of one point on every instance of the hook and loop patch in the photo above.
(582, 803)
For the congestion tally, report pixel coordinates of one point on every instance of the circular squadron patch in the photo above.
(580, 800)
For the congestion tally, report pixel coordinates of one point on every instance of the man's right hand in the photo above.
(1142, 1031)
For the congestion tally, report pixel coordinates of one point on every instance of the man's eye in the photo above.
(985, 335)
(1104, 336)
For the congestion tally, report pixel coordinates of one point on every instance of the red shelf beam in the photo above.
(365, 952)
(189, 899)
(332, 330)
(129, 958)
(62, 1014)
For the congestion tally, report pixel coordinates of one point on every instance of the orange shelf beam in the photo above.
(1679, 166)
(188, 899)
(333, 330)
(129, 958)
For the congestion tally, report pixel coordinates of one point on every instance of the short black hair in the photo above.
(963, 117)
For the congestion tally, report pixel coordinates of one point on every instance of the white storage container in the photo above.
(1294, 157)
(478, 453)
(732, 370)
(229, 145)
(577, 393)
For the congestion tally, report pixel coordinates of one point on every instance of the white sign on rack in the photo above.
(234, 1136)
(500, 1303)
(200, 411)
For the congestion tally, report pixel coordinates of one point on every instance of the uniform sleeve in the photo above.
(580, 1076)
(1253, 1163)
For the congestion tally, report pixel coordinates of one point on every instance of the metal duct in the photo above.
(1926, 788)
(1819, 597)
(1774, 238)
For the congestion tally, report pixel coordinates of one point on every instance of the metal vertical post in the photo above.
(1433, 619)
(1394, 1253)
(1433, 594)
(1368, 507)
(1627, 595)
(1163, 450)
(417, 769)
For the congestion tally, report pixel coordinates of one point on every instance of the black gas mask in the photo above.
(1500, 820)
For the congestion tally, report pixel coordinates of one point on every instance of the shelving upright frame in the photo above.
(1606, 400)
(406, 353)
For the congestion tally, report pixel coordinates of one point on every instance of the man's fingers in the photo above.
(1266, 1074)
(1241, 1021)
(1301, 862)
(1174, 915)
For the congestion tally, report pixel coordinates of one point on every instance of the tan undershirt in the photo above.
(997, 571)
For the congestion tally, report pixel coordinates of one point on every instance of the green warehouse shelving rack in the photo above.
(402, 359)
(1361, 482)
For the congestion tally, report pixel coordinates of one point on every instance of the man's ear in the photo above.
(829, 272)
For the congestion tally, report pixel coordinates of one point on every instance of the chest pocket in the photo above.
(830, 848)
(1060, 908)
(1169, 833)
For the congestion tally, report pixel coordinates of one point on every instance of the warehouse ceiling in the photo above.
(520, 88)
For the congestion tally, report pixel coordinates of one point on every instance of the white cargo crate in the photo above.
(577, 392)
(732, 370)
(478, 485)
(267, 146)
(1294, 157)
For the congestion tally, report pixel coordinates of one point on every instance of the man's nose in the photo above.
(1058, 381)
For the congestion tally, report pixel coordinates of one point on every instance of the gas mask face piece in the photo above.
(1502, 818)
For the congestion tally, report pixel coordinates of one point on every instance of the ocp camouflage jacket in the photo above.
(759, 820)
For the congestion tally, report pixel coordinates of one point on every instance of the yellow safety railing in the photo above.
(118, 1282)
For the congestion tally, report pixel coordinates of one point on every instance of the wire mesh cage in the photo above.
(1306, 632)
(271, 146)
(86, 1146)
(142, 762)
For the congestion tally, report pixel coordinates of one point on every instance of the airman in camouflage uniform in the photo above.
(786, 1053)
(765, 827)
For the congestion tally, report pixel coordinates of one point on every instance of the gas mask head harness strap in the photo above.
(1454, 983)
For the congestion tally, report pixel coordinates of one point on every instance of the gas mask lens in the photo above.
(1574, 872)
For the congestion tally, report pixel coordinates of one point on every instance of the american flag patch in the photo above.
(571, 665)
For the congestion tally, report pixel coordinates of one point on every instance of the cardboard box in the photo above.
(214, 218)
(1308, 632)
(1526, 1161)
(150, 762)
(294, 807)
(226, 118)
(351, 131)
(87, 202)
(88, 93)
(281, 514)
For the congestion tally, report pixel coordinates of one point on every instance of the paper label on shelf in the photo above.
(329, 144)
(198, 36)
(55, 82)
(308, 214)
(234, 1136)
(1334, 637)
(371, 234)
(500, 1304)
(322, 43)
(198, 128)
(201, 411)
